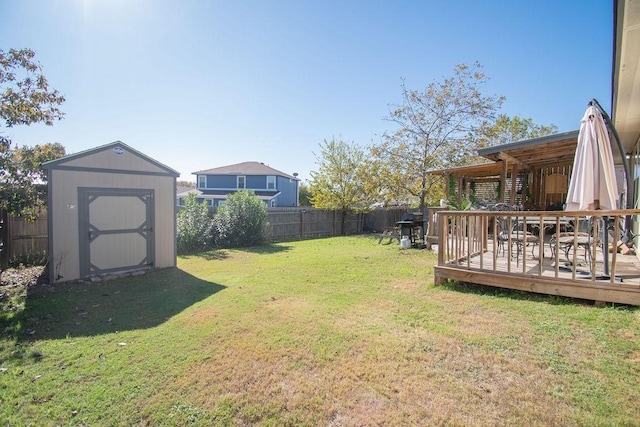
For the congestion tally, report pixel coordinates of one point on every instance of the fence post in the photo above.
(4, 240)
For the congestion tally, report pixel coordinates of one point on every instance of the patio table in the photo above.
(549, 222)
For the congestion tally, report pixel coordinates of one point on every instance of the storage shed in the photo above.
(111, 210)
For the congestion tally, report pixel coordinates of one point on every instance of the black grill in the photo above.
(412, 225)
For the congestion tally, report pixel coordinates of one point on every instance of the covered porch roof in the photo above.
(547, 150)
(551, 154)
(523, 155)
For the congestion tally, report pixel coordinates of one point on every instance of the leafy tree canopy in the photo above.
(505, 130)
(304, 195)
(25, 98)
(340, 183)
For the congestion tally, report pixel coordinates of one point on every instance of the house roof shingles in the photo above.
(244, 168)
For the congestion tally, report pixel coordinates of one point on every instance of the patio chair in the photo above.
(582, 238)
(512, 234)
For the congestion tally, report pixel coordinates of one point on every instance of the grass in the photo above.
(338, 331)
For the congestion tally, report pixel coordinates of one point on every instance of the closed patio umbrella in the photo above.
(593, 179)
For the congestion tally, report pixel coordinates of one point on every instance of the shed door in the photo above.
(116, 230)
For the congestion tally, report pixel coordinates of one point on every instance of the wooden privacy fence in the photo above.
(287, 223)
(306, 222)
(22, 237)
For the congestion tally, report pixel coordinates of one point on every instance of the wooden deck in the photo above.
(470, 250)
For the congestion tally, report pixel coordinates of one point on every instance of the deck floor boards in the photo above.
(627, 267)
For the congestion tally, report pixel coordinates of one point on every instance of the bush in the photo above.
(241, 221)
(29, 259)
(194, 226)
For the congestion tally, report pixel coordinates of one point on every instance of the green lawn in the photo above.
(338, 331)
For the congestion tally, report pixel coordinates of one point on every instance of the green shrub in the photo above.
(241, 221)
(29, 259)
(194, 226)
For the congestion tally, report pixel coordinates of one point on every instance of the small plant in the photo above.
(194, 226)
(29, 259)
(241, 221)
(465, 204)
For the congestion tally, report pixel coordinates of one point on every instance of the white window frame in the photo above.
(202, 181)
(273, 203)
(271, 179)
(244, 182)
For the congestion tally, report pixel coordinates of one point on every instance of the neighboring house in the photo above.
(182, 192)
(275, 188)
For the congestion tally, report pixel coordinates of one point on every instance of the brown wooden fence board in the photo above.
(27, 236)
(284, 223)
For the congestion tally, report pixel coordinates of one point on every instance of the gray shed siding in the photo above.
(114, 166)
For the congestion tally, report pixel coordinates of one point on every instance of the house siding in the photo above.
(222, 181)
(288, 191)
(285, 193)
(256, 182)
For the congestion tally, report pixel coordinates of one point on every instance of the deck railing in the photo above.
(550, 244)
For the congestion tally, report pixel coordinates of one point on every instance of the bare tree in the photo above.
(436, 128)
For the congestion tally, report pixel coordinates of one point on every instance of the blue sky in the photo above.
(201, 84)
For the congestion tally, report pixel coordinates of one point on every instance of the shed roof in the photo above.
(116, 145)
(244, 168)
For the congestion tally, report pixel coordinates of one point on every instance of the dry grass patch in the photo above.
(336, 332)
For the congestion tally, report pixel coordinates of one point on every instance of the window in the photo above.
(271, 183)
(241, 182)
(273, 203)
(202, 181)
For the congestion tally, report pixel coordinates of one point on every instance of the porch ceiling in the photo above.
(477, 171)
(626, 73)
(539, 152)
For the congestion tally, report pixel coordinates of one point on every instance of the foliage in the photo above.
(241, 221)
(25, 98)
(342, 179)
(194, 226)
(22, 190)
(183, 183)
(505, 130)
(437, 128)
(29, 259)
(464, 204)
(304, 198)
